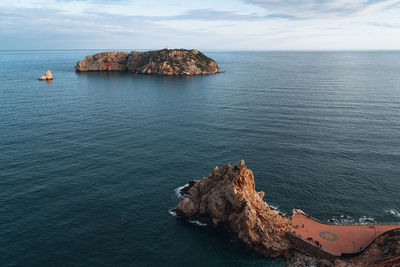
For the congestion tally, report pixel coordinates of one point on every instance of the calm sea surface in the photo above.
(89, 163)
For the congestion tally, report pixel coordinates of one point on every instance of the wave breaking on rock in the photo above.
(227, 199)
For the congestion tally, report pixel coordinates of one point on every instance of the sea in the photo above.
(90, 162)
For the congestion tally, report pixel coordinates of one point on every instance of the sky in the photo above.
(201, 24)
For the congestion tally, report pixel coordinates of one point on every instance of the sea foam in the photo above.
(198, 223)
(393, 212)
(172, 212)
(344, 219)
(178, 191)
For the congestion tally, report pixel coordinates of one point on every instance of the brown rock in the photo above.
(159, 62)
(106, 61)
(227, 197)
(185, 190)
(47, 77)
(171, 62)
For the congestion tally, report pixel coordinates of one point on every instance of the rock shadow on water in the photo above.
(136, 76)
(226, 199)
(227, 244)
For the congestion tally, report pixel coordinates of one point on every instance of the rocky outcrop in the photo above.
(47, 77)
(227, 198)
(159, 62)
(106, 61)
(171, 62)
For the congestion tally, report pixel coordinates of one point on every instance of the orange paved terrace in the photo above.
(337, 239)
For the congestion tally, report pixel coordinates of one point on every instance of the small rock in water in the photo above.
(48, 76)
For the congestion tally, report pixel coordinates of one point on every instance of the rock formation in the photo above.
(47, 77)
(160, 62)
(106, 61)
(227, 198)
(171, 62)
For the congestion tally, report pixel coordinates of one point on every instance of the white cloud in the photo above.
(224, 24)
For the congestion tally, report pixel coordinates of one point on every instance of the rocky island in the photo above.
(47, 77)
(227, 199)
(159, 62)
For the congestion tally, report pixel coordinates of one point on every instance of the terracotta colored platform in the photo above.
(337, 239)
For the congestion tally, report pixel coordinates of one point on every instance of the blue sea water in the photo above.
(89, 163)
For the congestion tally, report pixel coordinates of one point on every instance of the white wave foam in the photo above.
(344, 219)
(172, 212)
(366, 220)
(276, 208)
(273, 207)
(178, 191)
(198, 223)
(393, 212)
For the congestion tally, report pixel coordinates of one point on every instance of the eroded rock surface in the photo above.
(227, 197)
(160, 62)
(171, 62)
(106, 61)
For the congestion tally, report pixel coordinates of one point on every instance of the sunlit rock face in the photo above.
(171, 62)
(227, 198)
(159, 62)
(47, 77)
(106, 61)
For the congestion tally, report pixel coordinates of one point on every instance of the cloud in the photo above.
(216, 15)
(385, 25)
(322, 8)
(231, 24)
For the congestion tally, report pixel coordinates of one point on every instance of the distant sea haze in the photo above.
(89, 163)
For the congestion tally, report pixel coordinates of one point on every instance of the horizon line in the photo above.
(210, 49)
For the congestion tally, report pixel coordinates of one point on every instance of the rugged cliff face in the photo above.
(106, 61)
(227, 198)
(161, 62)
(171, 62)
